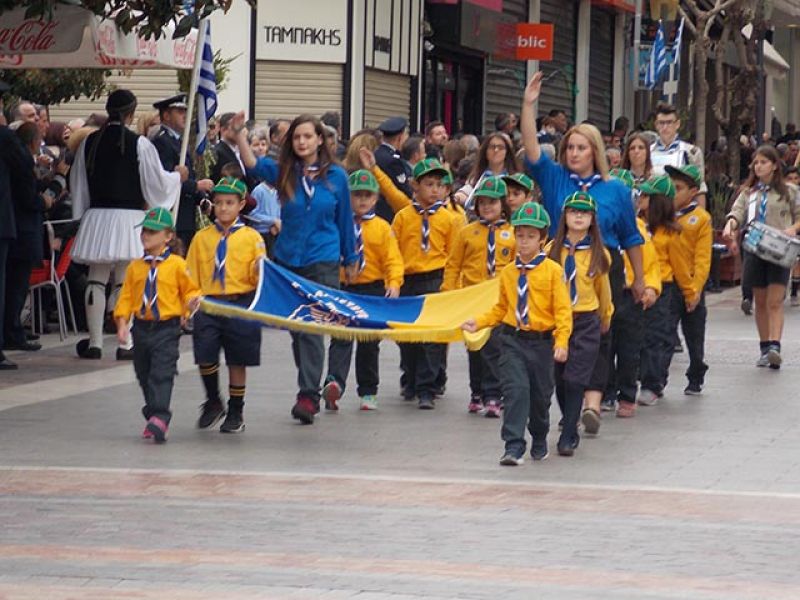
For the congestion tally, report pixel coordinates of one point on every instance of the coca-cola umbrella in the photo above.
(77, 38)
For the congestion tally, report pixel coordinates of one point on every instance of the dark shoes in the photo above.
(693, 389)
(234, 423)
(124, 353)
(426, 402)
(84, 350)
(212, 411)
(304, 410)
(539, 451)
(567, 446)
(7, 365)
(25, 346)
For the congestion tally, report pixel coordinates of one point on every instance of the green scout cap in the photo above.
(429, 165)
(690, 173)
(519, 179)
(231, 185)
(448, 178)
(624, 176)
(661, 185)
(492, 187)
(363, 180)
(157, 219)
(531, 214)
(580, 201)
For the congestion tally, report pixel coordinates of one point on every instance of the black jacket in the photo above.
(16, 180)
(169, 151)
(224, 155)
(395, 167)
(28, 214)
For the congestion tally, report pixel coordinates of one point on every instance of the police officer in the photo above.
(167, 141)
(395, 133)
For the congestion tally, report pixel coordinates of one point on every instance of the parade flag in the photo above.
(206, 90)
(658, 59)
(287, 301)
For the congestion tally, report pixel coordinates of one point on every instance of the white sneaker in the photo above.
(647, 398)
(369, 402)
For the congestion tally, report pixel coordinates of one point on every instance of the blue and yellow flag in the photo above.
(287, 301)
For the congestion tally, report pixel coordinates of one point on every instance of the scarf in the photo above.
(491, 246)
(522, 286)
(150, 296)
(571, 267)
(357, 221)
(685, 210)
(222, 250)
(426, 226)
(585, 183)
(762, 206)
(660, 147)
(308, 182)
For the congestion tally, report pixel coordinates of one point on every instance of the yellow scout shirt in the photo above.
(652, 272)
(466, 264)
(394, 196)
(381, 255)
(673, 260)
(594, 292)
(175, 289)
(407, 227)
(697, 235)
(245, 250)
(549, 306)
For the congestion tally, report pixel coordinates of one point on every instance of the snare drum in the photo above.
(771, 245)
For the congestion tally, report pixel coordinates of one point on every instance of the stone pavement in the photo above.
(694, 498)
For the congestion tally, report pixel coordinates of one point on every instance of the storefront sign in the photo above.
(304, 31)
(535, 41)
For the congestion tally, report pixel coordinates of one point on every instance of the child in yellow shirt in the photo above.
(481, 250)
(535, 318)
(157, 292)
(380, 273)
(578, 247)
(520, 191)
(223, 262)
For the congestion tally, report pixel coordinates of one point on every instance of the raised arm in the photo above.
(246, 153)
(527, 118)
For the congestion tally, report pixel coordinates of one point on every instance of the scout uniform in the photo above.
(426, 236)
(156, 291)
(480, 252)
(224, 264)
(590, 295)
(535, 315)
(522, 181)
(697, 235)
(380, 267)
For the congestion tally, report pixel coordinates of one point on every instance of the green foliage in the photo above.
(222, 66)
(54, 86)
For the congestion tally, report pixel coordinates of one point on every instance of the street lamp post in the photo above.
(764, 7)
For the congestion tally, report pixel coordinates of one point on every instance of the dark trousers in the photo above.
(658, 346)
(340, 352)
(526, 375)
(18, 275)
(693, 325)
(626, 345)
(421, 363)
(484, 380)
(309, 349)
(155, 360)
(4, 244)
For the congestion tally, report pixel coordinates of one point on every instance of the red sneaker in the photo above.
(158, 427)
(304, 410)
(332, 393)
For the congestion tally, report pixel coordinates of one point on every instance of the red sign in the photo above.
(535, 41)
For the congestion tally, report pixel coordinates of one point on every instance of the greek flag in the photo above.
(206, 91)
(658, 59)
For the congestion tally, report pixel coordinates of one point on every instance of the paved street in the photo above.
(695, 498)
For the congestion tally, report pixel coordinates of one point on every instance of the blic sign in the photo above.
(535, 41)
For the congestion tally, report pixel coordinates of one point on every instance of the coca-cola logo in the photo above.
(11, 60)
(183, 51)
(106, 39)
(146, 48)
(31, 35)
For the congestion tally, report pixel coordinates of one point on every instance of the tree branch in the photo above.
(692, 4)
(719, 71)
(688, 21)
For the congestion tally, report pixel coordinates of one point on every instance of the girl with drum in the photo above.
(765, 198)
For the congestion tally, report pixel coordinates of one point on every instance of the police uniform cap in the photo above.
(176, 101)
(393, 125)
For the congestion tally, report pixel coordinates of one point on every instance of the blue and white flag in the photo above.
(206, 92)
(658, 59)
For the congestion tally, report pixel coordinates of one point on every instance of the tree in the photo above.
(150, 17)
(53, 86)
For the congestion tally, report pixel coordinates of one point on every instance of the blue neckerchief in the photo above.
(362, 259)
(674, 145)
(685, 210)
(585, 183)
(426, 226)
(150, 297)
(522, 286)
(491, 246)
(762, 206)
(571, 268)
(308, 182)
(222, 250)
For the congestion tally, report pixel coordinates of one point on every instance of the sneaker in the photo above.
(426, 402)
(369, 402)
(608, 405)
(591, 421)
(304, 410)
(693, 389)
(332, 393)
(492, 409)
(475, 404)
(565, 447)
(158, 427)
(234, 423)
(211, 413)
(647, 397)
(794, 301)
(440, 390)
(763, 361)
(124, 353)
(408, 394)
(747, 306)
(626, 410)
(510, 460)
(539, 451)
(84, 350)
(147, 434)
(774, 357)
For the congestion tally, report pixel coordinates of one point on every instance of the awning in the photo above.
(77, 38)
